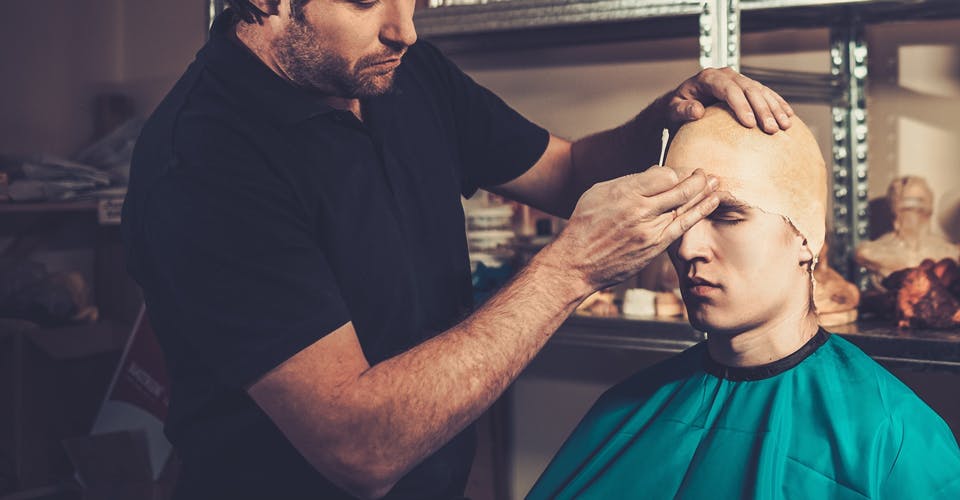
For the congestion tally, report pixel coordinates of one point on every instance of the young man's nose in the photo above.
(398, 30)
(695, 243)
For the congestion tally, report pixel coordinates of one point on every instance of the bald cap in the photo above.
(783, 173)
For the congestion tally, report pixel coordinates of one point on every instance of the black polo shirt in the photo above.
(259, 219)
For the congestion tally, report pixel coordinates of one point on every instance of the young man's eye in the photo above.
(365, 4)
(726, 218)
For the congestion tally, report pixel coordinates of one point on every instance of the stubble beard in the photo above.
(301, 55)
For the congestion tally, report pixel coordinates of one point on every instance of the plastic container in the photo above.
(498, 217)
(488, 259)
(490, 240)
(639, 302)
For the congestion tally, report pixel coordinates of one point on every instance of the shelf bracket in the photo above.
(720, 34)
(848, 57)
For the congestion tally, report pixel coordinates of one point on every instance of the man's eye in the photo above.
(365, 4)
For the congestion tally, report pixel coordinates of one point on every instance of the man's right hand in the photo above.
(620, 225)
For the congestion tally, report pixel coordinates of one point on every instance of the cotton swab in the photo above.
(663, 145)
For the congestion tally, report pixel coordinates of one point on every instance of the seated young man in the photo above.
(771, 406)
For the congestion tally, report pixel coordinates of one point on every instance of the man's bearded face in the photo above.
(318, 62)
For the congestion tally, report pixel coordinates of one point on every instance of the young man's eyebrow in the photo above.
(729, 203)
(739, 207)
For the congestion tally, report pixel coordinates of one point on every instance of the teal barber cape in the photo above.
(827, 422)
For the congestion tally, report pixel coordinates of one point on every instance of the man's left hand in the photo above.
(753, 103)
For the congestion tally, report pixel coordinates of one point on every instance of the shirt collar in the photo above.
(257, 85)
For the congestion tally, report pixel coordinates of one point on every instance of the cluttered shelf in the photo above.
(926, 348)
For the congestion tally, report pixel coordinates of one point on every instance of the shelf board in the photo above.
(929, 349)
(42, 207)
(69, 341)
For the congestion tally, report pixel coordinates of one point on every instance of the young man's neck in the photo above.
(764, 344)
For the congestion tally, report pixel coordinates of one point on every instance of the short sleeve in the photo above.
(236, 274)
(921, 456)
(496, 143)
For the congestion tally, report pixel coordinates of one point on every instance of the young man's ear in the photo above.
(806, 254)
(267, 7)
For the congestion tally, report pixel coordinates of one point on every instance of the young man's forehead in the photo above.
(730, 202)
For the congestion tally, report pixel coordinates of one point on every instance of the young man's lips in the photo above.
(701, 287)
(703, 290)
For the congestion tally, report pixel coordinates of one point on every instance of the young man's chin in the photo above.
(713, 324)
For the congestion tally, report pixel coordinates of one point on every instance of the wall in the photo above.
(56, 55)
(914, 104)
(53, 54)
(161, 39)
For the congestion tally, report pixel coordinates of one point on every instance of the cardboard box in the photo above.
(51, 384)
(126, 455)
(117, 466)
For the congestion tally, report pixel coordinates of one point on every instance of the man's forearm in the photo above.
(627, 149)
(408, 406)
(566, 170)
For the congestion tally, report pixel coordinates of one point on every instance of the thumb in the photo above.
(687, 110)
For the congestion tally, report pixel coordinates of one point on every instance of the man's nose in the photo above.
(695, 243)
(398, 30)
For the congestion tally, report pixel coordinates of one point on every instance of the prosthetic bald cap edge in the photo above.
(783, 173)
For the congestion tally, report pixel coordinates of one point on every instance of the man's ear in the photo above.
(267, 7)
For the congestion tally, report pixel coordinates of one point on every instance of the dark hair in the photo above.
(250, 13)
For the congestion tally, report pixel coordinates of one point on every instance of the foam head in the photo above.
(783, 173)
(910, 193)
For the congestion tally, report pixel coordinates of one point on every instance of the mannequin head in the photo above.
(751, 261)
(911, 202)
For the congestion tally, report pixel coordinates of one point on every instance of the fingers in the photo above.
(761, 109)
(783, 120)
(654, 180)
(685, 110)
(700, 196)
(691, 189)
(784, 105)
(770, 111)
(740, 105)
(751, 102)
(685, 220)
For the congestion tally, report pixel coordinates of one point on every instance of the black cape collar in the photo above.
(748, 373)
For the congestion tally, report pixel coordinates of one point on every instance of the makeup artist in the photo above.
(294, 221)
